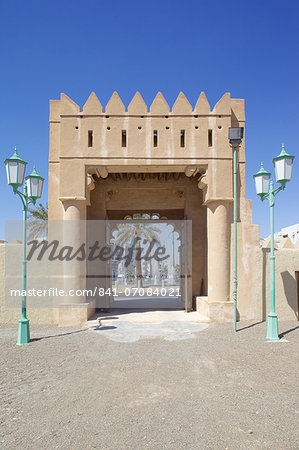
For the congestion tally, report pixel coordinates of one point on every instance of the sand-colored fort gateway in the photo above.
(107, 163)
(176, 162)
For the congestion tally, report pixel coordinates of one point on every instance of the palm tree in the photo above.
(129, 232)
(38, 222)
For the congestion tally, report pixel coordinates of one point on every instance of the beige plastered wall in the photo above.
(286, 287)
(12, 315)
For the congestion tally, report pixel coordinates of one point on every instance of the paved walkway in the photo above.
(130, 326)
(77, 388)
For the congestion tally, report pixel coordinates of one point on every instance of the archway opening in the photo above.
(171, 196)
(148, 271)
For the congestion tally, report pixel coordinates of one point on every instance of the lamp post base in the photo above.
(23, 335)
(272, 327)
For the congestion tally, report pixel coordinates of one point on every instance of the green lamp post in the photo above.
(235, 136)
(15, 171)
(283, 168)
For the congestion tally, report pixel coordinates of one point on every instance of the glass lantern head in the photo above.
(34, 183)
(283, 164)
(262, 180)
(15, 170)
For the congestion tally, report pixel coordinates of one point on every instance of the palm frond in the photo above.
(38, 222)
(39, 212)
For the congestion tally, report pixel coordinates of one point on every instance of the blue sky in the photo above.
(247, 48)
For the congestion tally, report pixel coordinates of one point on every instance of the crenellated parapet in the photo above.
(226, 106)
(141, 131)
(145, 138)
(285, 243)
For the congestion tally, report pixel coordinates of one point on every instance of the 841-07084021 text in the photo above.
(139, 292)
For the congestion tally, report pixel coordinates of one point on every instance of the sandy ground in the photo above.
(208, 389)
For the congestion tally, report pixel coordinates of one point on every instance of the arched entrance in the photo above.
(139, 276)
(168, 205)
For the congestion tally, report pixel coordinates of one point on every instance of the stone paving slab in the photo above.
(130, 326)
(129, 332)
(148, 316)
